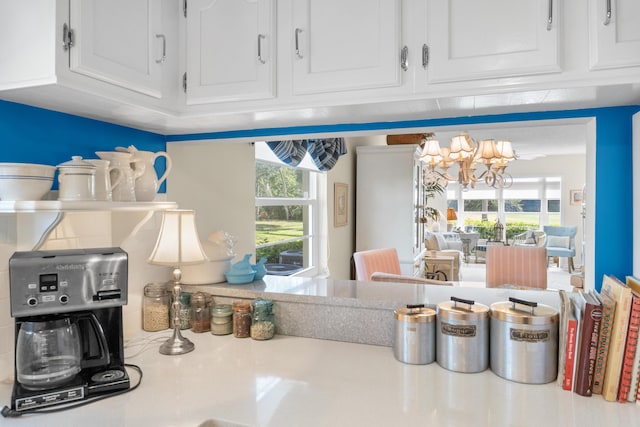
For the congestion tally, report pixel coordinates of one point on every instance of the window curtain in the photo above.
(323, 152)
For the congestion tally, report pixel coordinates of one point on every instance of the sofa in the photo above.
(447, 244)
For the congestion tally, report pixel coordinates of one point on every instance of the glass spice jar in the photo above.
(184, 312)
(262, 324)
(241, 319)
(200, 313)
(155, 307)
(221, 319)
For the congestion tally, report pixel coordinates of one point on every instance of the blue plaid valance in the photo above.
(323, 152)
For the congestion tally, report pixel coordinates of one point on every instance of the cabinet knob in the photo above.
(164, 48)
(260, 38)
(607, 18)
(297, 34)
(404, 58)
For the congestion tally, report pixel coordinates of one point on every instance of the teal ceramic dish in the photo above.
(239, 279)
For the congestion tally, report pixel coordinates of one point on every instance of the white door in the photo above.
(471, 39)
(230, 50)
(119, 42)
(345, 44)
(614, 33)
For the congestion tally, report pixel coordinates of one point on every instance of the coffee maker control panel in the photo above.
(46, 282)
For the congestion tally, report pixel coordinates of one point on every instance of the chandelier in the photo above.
(494, 155)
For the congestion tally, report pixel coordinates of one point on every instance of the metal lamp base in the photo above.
(177, 344)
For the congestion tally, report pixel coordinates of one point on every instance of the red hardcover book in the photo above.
(570, 350)
(630, 347)
(588, 344)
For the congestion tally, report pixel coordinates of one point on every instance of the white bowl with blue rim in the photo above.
(25, 181)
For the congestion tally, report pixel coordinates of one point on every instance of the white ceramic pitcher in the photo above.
(148, 183)
(104, 182)
(125, 191)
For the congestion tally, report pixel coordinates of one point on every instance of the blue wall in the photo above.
(40, 136)
(35, 135)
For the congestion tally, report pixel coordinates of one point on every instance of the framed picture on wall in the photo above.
(575, 197)
(340, 204)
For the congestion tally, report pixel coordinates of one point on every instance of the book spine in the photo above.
(588, 348)
(630, 347)
(572, 335)
(603, 346)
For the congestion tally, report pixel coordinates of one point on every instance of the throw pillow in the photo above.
(558, 242)
(531, 238)
(442, 242)
(432, 243)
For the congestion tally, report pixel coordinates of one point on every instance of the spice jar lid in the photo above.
(199, 299)
(462, 309)
(221, 310)
(155, 290)
(262, 305)
(415, 314)
(241, 306)
(524, 312)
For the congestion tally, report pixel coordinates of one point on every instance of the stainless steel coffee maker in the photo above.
(67, 307)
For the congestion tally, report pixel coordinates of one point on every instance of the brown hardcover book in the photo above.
(608, 311)
(622, 294)
(589, 333)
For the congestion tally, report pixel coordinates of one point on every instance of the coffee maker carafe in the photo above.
(67, 307)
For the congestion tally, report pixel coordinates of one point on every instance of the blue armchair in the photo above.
(561, 242)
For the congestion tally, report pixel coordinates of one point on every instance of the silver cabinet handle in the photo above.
(260, 38)
(164, 48)
(298, 54)
(607, 19)
(550, 17)
(404, 58)
(425, 56)
(67, 37)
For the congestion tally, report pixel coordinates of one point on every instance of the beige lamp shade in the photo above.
(178, 242)
(487, 151)
(505, 151)
(461, 147)
(431, 152)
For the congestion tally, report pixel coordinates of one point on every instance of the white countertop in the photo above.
(291, 381)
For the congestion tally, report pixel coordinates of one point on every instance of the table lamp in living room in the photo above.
(178, 244)
(451, 218)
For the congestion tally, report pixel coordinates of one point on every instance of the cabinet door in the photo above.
(230, 50)
(119, 42)
(345, 44)
(470, 39)
(614, 33)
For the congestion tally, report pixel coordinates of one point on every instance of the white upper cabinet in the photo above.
(340, 45)
(471, 39)
(119, 42)
(230, 50)
(614, 33)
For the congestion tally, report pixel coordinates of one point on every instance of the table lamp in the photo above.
(451, 218)
(178, 244)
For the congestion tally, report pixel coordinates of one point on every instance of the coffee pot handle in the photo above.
(90, 360)
(168, 166)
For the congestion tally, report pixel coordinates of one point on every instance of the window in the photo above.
(286, 216)
(528, 204)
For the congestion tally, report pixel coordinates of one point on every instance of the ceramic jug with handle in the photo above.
(148, 183)
(125, 191)
(104, 182)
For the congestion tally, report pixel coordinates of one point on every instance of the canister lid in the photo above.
(76, 164)
(462, 309)
(415, 314)
(524, 312)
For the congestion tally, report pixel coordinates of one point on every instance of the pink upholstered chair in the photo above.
(517, 266)
(383, 265)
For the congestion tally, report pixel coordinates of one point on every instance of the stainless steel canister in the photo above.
(462, 336)
(524, 341)
(414, 334)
